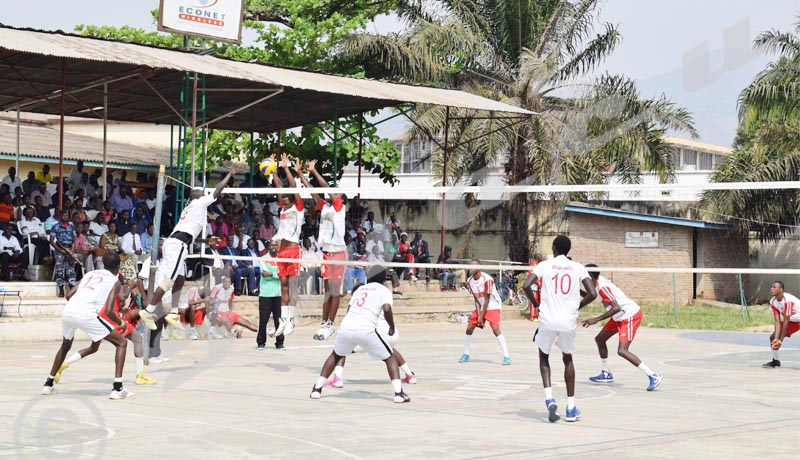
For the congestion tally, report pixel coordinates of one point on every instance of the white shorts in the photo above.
(173, 258)
(95, 327)
(370, 341)
(564, 340)
(390, 340)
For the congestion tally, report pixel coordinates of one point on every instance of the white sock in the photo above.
(151, 309)
(73, 358)
(139, 365)
(117, 380)
(338, 371)
(467, 339)
(397, 385)
(776, 355)
(548, 393)
(406, 369)
(604, 364)
(645, 369)
(570, 402)
(320, 382)
(502, 341)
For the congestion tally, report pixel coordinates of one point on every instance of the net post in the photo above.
(742, 299)
(156, 230)
(675, 298)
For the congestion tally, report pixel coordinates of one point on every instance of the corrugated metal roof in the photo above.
(40, 142)
(31, 65)
(646, 217)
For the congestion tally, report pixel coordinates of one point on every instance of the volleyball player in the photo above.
(786, 311)
(173, 252)
(624, 317)
(288, 237)
(331, 237)
(488, 306)
(558, 315)
(97, 291)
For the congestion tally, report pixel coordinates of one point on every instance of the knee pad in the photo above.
(166, 284)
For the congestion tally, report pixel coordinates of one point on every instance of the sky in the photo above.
(696, 52)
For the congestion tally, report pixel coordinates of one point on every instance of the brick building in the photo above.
(613, 238)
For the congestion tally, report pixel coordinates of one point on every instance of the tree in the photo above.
(766, 145)
(291, 33)
(541, 56)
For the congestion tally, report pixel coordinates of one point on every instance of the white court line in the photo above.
(109, 434)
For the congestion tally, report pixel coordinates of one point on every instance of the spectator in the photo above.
(42, 211)
(240, 240)
(121, 180)
(219, 223)
(375, 256)
(375, 242)
(141, 219)
(62, 235)
(369, 224)
(83, 185)
(120, 201)
(77, 173)
(6, 209)
(269, 297)
(151, 199)
(19, 209)
(12, 180)
(108, 242)
(32, 226)
(446, 276)
(94, 179)
(30, 184)
(359, 271)
(247, 268)
(390, 248)
(309, 268)
(44, 175)
(419, 248)
(107, 212)
(84, 247)
(392, 223)
(266, 230)
(131, 246)
(123, 222)
(47, 199)
(10, 252)
(147, 239)
(98, 226)
(229, 265)
(80, 198)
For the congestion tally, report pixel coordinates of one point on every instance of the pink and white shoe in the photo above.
(410, 378)
(334, 382)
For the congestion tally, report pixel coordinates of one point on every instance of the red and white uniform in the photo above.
(359, 327)
(331, 237)
(83, 308)
(558, 312)
(289, 230)
(788, 307)
(627, 320)
(222, 298)
(199, 313)
(489, 299)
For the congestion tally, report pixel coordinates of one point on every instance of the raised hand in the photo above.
(298, 167)
(312, 165)
(284, 160)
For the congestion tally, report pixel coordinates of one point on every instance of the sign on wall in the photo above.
(214, 19)
(641, 239)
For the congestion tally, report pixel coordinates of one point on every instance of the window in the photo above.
(705, 161)
(689, 159)
(676, 158)
(718, 159)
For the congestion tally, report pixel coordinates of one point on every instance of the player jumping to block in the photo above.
(359, 329)
(488, 305)
(558, 317)
(786, 311)
(331, 237)
(625, 316)
(173, 253)
(97, 290)
(288, 237)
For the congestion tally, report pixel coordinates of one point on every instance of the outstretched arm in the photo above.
(313, 170)
(299, 170)
(224, 182)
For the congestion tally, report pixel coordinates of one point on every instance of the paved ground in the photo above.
(225, 399)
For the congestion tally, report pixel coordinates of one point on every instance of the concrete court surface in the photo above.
(225, 399)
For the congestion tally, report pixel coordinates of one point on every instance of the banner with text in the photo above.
(215, 19)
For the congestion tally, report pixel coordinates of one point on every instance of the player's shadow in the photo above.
(357, 394)
(528, 414)
(367, 382)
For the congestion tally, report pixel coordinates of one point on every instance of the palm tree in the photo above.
(539, 55)
(766, 146)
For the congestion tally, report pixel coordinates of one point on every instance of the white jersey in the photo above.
(485, 285)
(332, 226)
(608, 291)
(789, 306)
(92, 293)
(223, 296)
(366, 306)
(291, 223)
(193, 217)
(561, 285)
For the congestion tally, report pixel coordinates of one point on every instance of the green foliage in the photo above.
(698, 317)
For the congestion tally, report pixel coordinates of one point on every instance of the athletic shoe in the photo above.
(328, 331)
(552, 410)
(401, 397)
(48, 390)
(143, 379)
(318, 335)
(506, 361)
(602, 377)
(655, 381)
(464, 358)
(260, 347)
(772, 364)
(237, 332)
(573, 415)
(192, 333)
(174, 319)
(410, 378)
(280, 346)
(158, 359)
(316, 393)
(414, 278)
(334, 382)
(177, 335)
(61, 369)
(122, 394)
(149, 319)
(212, 333)
(289, 327)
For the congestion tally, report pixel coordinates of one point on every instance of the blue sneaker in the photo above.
(603, 377)
(573, 415)
(552, 409)
(506, 361)
(655, 381)
(464, 358)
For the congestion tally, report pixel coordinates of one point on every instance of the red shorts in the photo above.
(627, 328)
(792, 328)
(125, 329)
(491, 316)
(198, 316)
(334, 273)
(289, 268)
(229, 317)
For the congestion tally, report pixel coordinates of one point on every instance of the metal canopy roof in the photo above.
(32, 62)
(647, 217)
